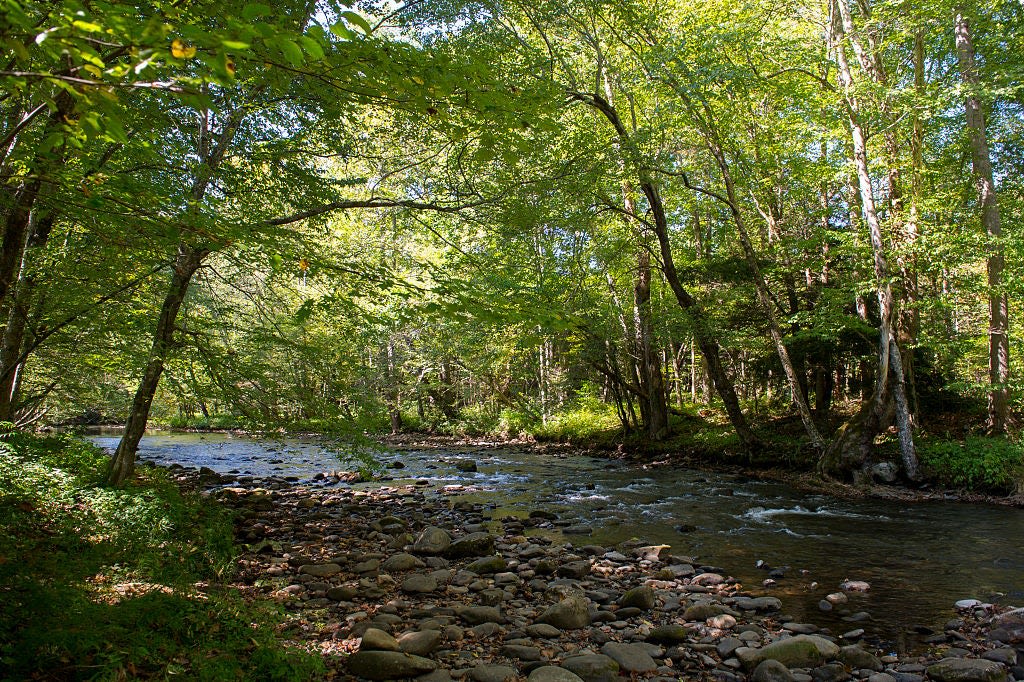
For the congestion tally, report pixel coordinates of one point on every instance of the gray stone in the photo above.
(439, 675)
(432, 540)
(493, 673)
(801, 628)
(758, 603)
(830, 672)
(881, 677)
(638, 597)
(855, 657)
(632, 658)
(727, 646)
(572, 613)
(465, 465)
(388, 665)
(593, 667)
(1004, 655)
(543, 630)
(966, 670)
(771, 671)
(401, 562)
(885, 472)
(576, 570)
(343, 593)
(669, 634)
(552, 673)
(474, 544)
(801, 651)
(320, 570)
(521, 652)
(477, 615)
(419, 584)
(702, 612)
(378, 640)
(368, 566)
(578, 530)
(487, 565)
(421, 643)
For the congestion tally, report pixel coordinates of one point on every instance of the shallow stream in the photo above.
(918, 558)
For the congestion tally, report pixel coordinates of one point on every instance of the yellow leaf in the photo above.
(417, 80)
(182, 51)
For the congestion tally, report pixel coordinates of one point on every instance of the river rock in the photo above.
(632, 658)
(1008, 628)
(378, 640)
(343, 593)
(472, 545)
(465, 465)
(493, 673)
(543, 630)
(432, 540)
(578, 530)
(575, 570)
(552, 673)
(966, 670)
(419, 584)
(758, 603)
(572, 613)
(669, 634)
(320, 570)
(857, 658)
(1004, 655)
(771, 670)
(478, 615)
(801, 651)
(388, 665)
(830, 672)
(638, 597)
(488, 564)
(701, 612)
(402, 561)
(521, 652)
(593, 667)
(422, 643)
(854, 586)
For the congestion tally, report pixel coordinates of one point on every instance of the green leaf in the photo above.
(254, 10)
(291, 51)
(342, 31)
(358, 20)
(312, 47)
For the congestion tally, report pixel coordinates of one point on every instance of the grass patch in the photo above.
(103, 583)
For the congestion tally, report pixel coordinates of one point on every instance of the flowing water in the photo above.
(918, 558)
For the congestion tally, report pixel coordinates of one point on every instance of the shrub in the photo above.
(979, 462)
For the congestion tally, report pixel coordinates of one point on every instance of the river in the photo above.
(918, 558)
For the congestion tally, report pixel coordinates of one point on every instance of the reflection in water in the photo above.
(918, 558)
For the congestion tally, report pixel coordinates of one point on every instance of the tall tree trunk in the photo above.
(212, 150)
(704, 335)
(888, 351)
(122, 466)
(998, 306)
(654, 407)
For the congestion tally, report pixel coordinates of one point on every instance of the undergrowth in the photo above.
(102, 583)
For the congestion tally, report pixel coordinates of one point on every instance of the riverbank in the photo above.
(408, 581)
(387, 582)
(800, 478)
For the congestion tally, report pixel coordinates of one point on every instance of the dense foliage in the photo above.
(519, 219)
(84, 569)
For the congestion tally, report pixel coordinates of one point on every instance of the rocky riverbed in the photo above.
(405, 582)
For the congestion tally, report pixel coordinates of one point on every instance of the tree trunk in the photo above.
(998, 306)
(654, 408)
(888, 350)
(122, 466)
(704, 335)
